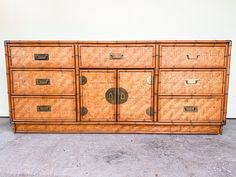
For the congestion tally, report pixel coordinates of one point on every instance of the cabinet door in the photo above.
(135, 92)
(94, 86)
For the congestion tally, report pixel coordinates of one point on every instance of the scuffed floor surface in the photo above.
(112, 155)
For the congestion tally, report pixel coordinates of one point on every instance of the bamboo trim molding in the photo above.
(115, 42)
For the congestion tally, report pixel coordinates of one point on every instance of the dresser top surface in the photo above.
(118, 42)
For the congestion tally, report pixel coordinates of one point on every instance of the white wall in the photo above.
(117, 20)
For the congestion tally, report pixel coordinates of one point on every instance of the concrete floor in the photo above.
(111, 155)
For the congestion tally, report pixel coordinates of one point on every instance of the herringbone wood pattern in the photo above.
(192, 57)
(172, 109)
(59, 57)
(93, 95)
(191, 82)
(63, 109)
(132, 57)
(140, 95)
(61, 82)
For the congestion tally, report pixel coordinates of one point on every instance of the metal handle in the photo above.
(41, 57)
(83, 80)
(150, 80)
(44, 108)
(190, 109)
(116, 95)
(122, 95)
(116, 56)
(191, 81)
(42, 81)
(192, 58)
(111, 95)
(150, 111)
(83, 111)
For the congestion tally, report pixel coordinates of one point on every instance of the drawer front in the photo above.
(44, 109)
(192, 57)
(190, 109)
(136, 89)
(117, 56)
(191, 82)
(43, 82)
(42, 57)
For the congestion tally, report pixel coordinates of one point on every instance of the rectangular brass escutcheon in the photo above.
(192, 58)
(191, 81)
(44, 108)
(190, 109)
(42, 81)
(116, 56)
(41, 57)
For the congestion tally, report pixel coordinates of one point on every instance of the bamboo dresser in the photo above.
(176, 87)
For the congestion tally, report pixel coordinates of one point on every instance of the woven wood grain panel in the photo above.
(59, 57)
(61, 82)
(191, 82)
(99, 56)
(192, 57)
(93, 95)
(25, 109)
(140, 95)
(173, 109)
(171, 129)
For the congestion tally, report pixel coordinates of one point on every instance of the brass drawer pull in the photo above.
(44, 108)
(190, 109)
(192, 58)
(41, 57)
(191, 81)
(42, 81)
(116, 56)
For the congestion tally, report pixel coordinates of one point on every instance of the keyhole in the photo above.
(122, 96)
(110, 96)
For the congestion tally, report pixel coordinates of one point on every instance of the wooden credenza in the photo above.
(177, 87)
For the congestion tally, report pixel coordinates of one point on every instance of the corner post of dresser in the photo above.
(7, 58)
(6, 42)
(228, 57)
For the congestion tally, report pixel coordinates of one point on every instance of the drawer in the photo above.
(182, 109)
(38, 82)
(117, 56)
(187, 82)
(42, 57)
(44, 109)
(192, 57)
